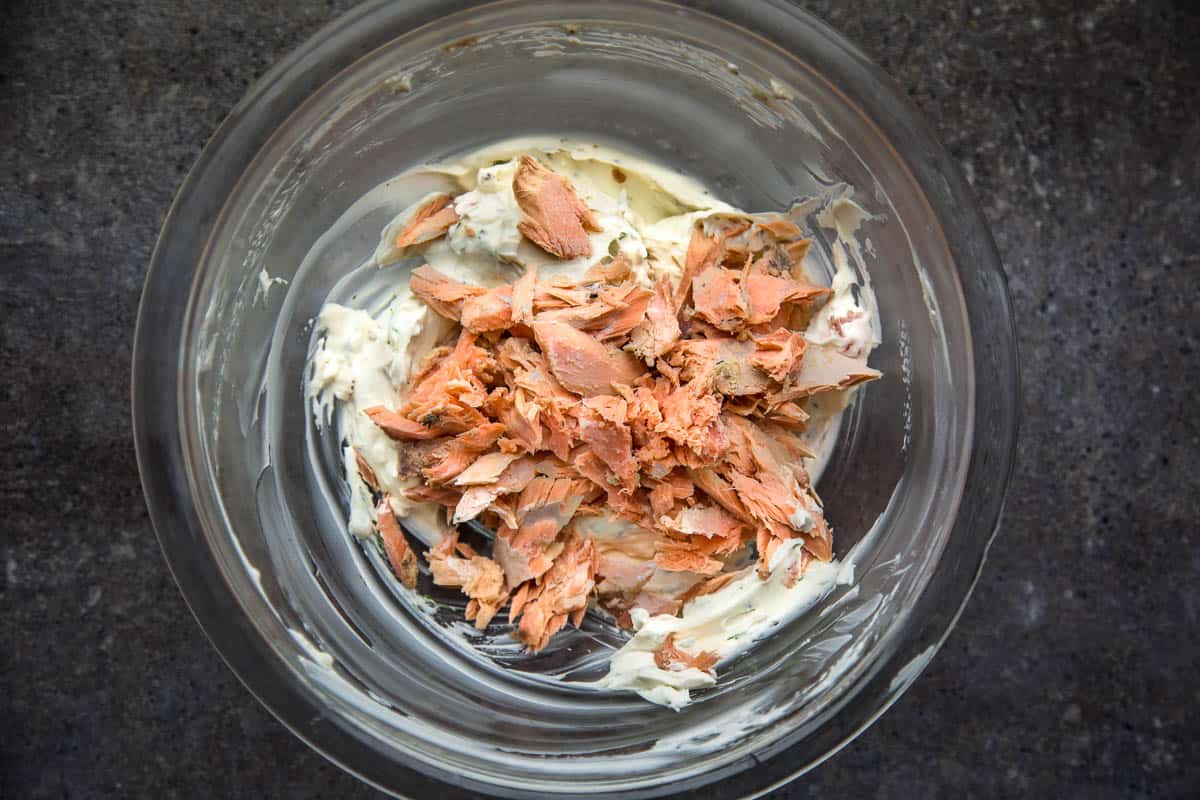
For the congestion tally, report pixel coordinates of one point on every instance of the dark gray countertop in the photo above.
(1073, 672)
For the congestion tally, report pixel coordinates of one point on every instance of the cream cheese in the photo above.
(725, 622)
(362, 361)
(849, 319)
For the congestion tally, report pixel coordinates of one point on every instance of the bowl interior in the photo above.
(401, 679)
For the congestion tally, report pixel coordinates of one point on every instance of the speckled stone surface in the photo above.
(1073, 672)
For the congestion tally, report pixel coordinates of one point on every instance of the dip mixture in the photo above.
(626, 384)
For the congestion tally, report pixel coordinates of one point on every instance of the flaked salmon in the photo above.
(778, 354)
(552, 215)
(479, 577)
(561, 594)
(824, 369)
(490, 311)
(636, 445)
(703, 253)
(460, 452)
(543, 509)
(366, 471)
(719, 300)
(523, 292)
(670, 657)
(711, 522)
(582, 364)
(486, 469)
(451, 420)
(515, 477)
(428, 222)
(611, 314)
(691, 417)
(727, 365)
(658, 332)
(399, 553)
(765, 294)
(442, 294)
(602, 426)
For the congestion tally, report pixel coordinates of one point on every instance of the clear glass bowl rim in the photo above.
(156, 393)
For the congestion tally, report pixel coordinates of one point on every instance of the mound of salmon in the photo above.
(629, 445)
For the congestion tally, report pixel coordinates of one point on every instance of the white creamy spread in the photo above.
(646, 214)
(849, 319)
(362, 361)
(265, 282)
(725, 622)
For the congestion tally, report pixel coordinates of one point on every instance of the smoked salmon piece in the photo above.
(515, 477)
(487, 469)
(366, 472)
(703, 252)
(442, 495)
(765, 496)
(460, 452)
(707, 521)
(544, 508)
(766, 293)
(658, 332)
(530, 371)
(561, 594)
(680, 557)
(778, 354)
(670, 657)
(428, 222)
(401, 556)
(479, 577)
(642, 412)
(523, 292)
(788, 414)
(662, 499)
(796, 252)
(730, 299)
(443, 295)
(614, 271)
(520, 416)
(691, 417)
(490, 311)
(602, 426)
(632, 506)
(824, 369)
(552, 215)
(455, 420)
(779, 228)
(724, 364)
(718, 299)
(615, 311)
(582, 364)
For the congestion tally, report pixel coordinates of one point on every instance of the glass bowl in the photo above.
(762, 103)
